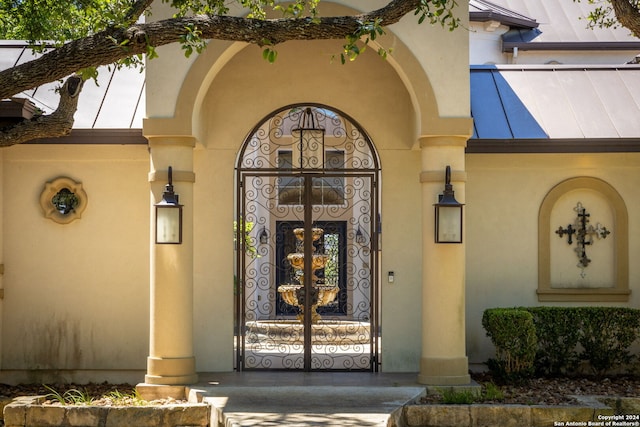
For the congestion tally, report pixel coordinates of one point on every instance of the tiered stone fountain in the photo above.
(280, 342)
(321, 294)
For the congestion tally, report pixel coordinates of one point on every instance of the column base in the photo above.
(444, 371)
(151, 392)
(171, 371)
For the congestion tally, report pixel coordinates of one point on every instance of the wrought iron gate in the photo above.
(307, 230)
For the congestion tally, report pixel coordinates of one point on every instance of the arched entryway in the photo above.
(307, 188)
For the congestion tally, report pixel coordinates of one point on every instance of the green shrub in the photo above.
(558, 334)
(513, 334)
(562, 337)
(607, 334)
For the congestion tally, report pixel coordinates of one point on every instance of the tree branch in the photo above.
(136, 11)
(58, 123)
(110, 46)
(628, 15)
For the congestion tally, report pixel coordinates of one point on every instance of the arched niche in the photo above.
(610, 287)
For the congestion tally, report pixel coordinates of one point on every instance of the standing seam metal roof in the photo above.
(116, 100)
(533, 102)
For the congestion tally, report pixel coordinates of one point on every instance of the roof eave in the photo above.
(553, 146)
(97, 137)
(509, 21)
(571, 46)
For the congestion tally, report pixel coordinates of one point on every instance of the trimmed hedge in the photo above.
(600, 336)
(607, 335)
(558, 336)
(513, 333)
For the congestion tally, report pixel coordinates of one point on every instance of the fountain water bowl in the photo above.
(297, 261)
(291, 294)
(315, 232)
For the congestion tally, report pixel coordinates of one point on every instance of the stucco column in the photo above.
(444, 360)
(171, 358)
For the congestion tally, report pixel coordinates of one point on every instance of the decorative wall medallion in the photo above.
(63, 200)
(584, 233)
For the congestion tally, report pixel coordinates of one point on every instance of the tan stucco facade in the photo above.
(97, 299)
(408, 105)
(75, 296)
(505, 194)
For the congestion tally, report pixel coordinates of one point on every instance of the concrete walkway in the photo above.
(307, 399)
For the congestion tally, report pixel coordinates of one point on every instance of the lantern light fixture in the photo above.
(308, 138)
(448, 215)
(264, 236)
(360, 237)
(169, 215)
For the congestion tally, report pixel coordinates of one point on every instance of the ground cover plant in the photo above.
(81, 396)
(102, 394)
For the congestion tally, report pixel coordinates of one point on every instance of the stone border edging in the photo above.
(29, 412)
(591, 408)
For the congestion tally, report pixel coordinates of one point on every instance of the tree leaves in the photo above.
(615, 13)
(191, 40)
(78, 36)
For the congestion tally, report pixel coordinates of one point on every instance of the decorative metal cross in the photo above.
(584, 235)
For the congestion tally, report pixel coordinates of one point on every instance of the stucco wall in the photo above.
(219, 96)
(244, 92)
(439, 53)
(76, 295)
(504, 194)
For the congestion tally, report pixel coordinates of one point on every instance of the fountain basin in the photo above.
(325, 332)
(290, 294)
(297, 261)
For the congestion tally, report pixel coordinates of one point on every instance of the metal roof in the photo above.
(116, 101)
(483, 10)
(563, 21)
(555, 102)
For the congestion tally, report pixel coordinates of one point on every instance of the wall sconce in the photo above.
(360, 237)
(169, 216)
(448, 214)
(264, 236)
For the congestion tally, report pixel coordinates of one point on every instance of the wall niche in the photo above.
(583, 251)
(63, 200)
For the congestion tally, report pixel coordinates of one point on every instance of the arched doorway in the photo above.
(307, 188)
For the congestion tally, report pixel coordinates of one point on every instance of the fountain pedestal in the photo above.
(321, 294)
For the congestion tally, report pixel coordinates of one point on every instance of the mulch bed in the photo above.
(536, 391)
(556, 391)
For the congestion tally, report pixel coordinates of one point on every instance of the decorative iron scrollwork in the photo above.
(584, 233)
(289, 178)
